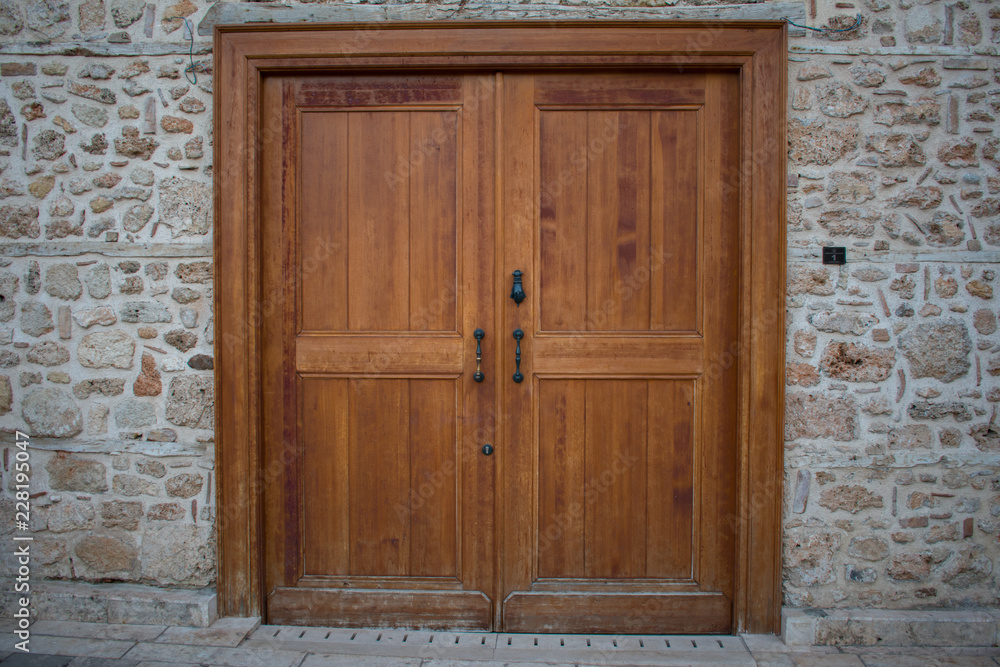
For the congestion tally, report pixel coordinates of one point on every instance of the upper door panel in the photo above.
(380, 180)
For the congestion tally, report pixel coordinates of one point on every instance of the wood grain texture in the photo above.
(366, 405)
(323, 222)
(670, 460)
(240, 581)
(562, 212)
(379, 196)
(358, 91)
(378, 292)
(737, 40)
(618, 219)
(481, 411)
(617, 613)
(562, 498)
(615, 478)
(715, 455)
(603, 480)
(378, 355)
(752, 52)
(617, 90)
(326, 476)
(625, 355)
(280, 450)
(380, 477)
(639, 169)
(433, 492)
(674, 221)
(517, 182)
(766, 320)
(658, 440)
(433, 188)
(418, 610)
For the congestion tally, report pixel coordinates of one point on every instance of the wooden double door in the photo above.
(597, 494)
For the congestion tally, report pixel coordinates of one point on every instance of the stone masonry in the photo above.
(106, 331)
(893, 362)
(892, 448)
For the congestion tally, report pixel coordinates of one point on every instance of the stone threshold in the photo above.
(890, 627)
(131, 604)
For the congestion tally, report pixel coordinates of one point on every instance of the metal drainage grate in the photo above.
(584, 649)
(631, 649)
(399, 643)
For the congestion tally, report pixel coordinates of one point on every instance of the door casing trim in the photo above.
(245, 53)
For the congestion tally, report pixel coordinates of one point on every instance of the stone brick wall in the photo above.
(106, 327)
(892, 446)
(892, 451)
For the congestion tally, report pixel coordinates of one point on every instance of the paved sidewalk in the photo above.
(237, 642)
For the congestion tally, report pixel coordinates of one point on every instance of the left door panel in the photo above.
(377, 227)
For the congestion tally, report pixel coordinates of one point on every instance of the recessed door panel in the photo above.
(619, 203)
(379, 189)
(615, 478)
(379, 475)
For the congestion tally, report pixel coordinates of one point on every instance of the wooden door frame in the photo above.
(245, 53)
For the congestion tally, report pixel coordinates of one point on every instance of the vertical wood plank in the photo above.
(615, 478)
(618, 221)
(240, 581)
(763, 382)
(674, 288)
(433, 183)
(323, 222)
(719, 388)
(479, 425)
(380, 476)
(274, 288)
(563, 220)
(279, 423)
(379, 235)
(432, 496)
(561, 468)
(516, 141)
(670, 456)
(325, 477)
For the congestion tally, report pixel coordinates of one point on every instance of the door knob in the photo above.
(518, 335)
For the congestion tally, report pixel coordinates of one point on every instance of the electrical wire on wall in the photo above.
(190, 73)
(857, 24)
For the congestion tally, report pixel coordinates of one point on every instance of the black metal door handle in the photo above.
(518, 335)
(479, 334)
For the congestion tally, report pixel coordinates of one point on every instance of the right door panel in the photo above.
(620, 203)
